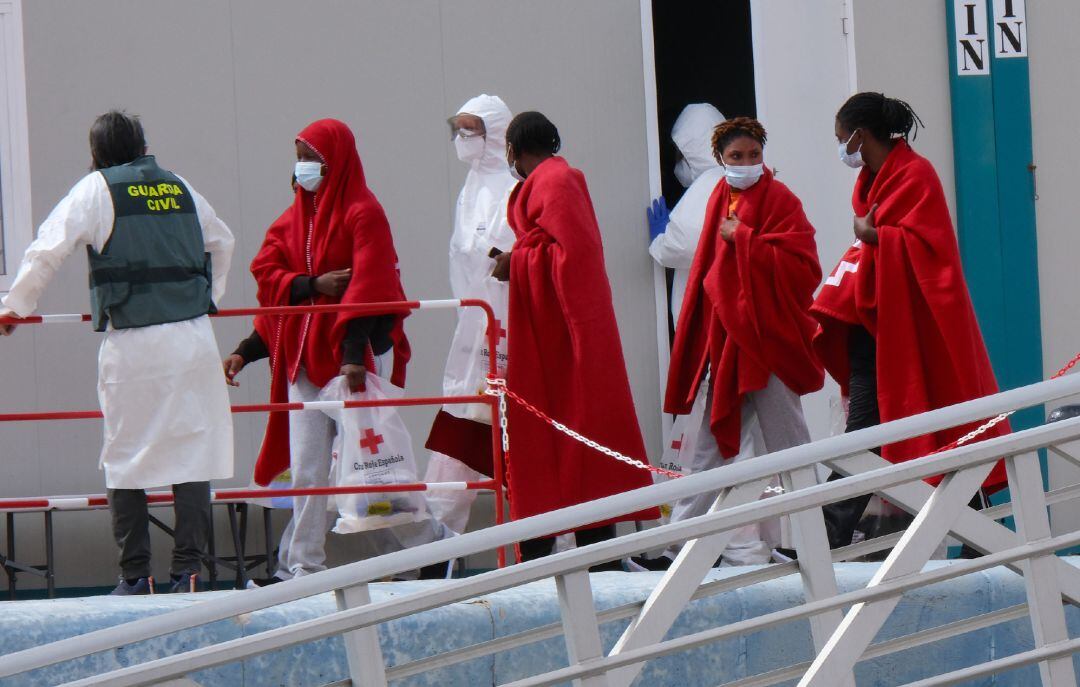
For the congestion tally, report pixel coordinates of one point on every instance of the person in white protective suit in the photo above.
(159, 257)
(674, 238)
(461, 434)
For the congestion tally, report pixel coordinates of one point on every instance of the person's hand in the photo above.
(728, 227)
(232, 366)
(865, 229)
(355, 375)
(502, 267)
(332, 283)
(658, 215)
(7, 329)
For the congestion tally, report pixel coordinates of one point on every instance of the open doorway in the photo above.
(703, 54)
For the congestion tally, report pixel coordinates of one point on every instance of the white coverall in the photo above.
(166, 407)
(675, 248)
(480, 224)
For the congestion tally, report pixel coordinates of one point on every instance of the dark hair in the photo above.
(532, 132)
(885, 118)
(116, 138)
(736, 127)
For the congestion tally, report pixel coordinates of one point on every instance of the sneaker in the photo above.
(643, 564)
(256, 582)
(184, 584)
(140, 587)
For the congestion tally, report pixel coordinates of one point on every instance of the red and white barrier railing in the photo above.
(498, 484)
(92, 501)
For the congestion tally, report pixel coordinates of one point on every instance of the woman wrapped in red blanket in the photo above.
(898, 330)
(744, 337)
(565, 355)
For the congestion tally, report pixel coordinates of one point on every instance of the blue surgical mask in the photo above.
(853, 160)
(309, 175)
(744, 176)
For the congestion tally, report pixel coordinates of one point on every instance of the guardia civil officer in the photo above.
(159, 257)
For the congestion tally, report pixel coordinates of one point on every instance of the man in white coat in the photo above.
(674, 238)
(461, 434)
(159, 257)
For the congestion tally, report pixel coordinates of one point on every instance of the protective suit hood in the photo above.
(692, 134)
(496, 116)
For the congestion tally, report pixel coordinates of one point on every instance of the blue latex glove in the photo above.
(658, 216)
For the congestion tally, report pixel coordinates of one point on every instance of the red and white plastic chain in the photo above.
(989, 424)
(498, 387)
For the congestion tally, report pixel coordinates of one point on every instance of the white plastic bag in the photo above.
(372, 448)
(678, 452)
(468, 364)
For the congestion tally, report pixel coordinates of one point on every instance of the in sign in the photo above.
(972, 39)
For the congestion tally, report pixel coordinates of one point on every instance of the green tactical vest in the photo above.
(153, 268)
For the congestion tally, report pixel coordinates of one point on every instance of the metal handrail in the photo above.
(355, 574)
(344, 621)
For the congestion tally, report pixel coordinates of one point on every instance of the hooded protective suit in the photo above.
(692, 134)
(479, 225)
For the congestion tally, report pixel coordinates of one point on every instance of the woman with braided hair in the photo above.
(898, 330)
(745, 328)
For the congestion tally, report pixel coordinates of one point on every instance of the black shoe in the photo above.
(643, 564)
(781, 555)
(257, 582)
(187, 583)
(437, 571)
(140, 587)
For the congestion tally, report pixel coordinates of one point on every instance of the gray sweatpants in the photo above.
(779, 413)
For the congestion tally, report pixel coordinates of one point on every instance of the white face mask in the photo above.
(469, 149)
(515, 173)
(853, 160)
(683, 173)
(743, 177)
(309, 175)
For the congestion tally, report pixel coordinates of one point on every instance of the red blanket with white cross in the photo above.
(909, 292)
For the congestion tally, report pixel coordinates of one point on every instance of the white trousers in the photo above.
(303, 543)
(772, 420)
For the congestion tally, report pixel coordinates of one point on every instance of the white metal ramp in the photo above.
(843, 626)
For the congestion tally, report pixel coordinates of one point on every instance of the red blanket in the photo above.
(910, 294)
(341, 225)
(746, 309)
(565, 353)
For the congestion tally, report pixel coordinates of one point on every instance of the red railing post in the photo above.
(498, 466)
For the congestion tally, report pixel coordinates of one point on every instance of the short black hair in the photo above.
(884, 117)
(738, 127)
(532, 132)
(116, 138)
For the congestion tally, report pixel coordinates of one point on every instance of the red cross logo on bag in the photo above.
(677, 444)
(371, 441)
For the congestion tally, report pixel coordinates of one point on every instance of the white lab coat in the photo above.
(675, 248)
(480, 224)
(167, 418)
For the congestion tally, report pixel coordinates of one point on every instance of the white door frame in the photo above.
(652, 133)
(14, 142)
